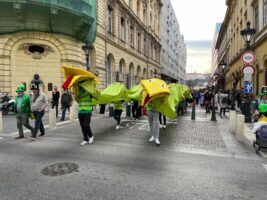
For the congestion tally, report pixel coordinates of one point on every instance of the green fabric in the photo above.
(114, 92)
(90, 86)
(262, 94)
(21, 88)
(150, 106)
(263, 108)
(135, 92)
(118, 105)
(166, 105)
(25, 104)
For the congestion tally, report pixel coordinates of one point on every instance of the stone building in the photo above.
(231, 45)
(127, 46)
(173, 51)
(39, 37)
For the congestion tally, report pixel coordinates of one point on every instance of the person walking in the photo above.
(135, 108)
(153, 120)
(66, 101)
(84, 99)
(162, 125)
(118, 108)
(223, 101)
(39, 102)
(55, 99)
(22, 109)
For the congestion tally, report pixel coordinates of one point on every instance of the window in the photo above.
(256, 17)
(139, 42)
(144, 16)
(110, 19)
(109, 73)
(145, 45)
(122, 29)
(131, 35)
(138, 8)
(265, 12)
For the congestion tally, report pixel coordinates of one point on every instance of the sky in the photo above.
(197, 20)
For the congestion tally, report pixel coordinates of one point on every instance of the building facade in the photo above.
(173, 51)
(39, 37)
(231, 45)
(127, 45)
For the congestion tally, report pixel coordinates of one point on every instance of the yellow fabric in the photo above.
(262, 119)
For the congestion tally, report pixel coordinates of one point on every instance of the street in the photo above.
(196, 160)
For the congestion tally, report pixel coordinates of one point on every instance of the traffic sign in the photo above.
(247, 77)
(248, 57)
(248, 88)
(248, 69)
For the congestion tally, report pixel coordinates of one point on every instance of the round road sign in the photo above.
(248, 57)
(248, 69)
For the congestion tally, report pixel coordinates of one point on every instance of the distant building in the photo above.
(173, 50)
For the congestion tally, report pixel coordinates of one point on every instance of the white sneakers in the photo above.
(83, 143)
(117, 127)
(91, 140)
(152, 138)
(157, 141)
(164, 126)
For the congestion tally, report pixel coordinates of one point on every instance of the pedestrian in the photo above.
(223, 100)
(153, 120)
(55, 99)
(162, 125)
(38, 104)
(207, 101)
(66, 102)
(135, 108)
(84, 99)
(22, 109)
(118, 108)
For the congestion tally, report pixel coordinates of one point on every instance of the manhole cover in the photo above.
(60, 169)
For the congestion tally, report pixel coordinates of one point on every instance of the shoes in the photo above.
(117, 127)
(32, 138)
(91, 140)
(164, 126)
(157, 141)
(160, 126)
(83, 143)
(42, 134)
(19, 137)
(151, 139)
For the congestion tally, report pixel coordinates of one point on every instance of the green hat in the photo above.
(21, 88)
(263, 108)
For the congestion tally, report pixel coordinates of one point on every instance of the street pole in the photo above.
(193, 114)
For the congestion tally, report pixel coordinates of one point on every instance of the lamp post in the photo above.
(248, 35)
(223, 66)
(86, 48)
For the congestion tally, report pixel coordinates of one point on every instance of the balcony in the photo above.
(75, 18)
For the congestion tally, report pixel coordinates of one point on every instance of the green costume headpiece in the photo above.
(20, 88)
(263, 108)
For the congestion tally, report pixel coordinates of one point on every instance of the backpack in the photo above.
(224, 100)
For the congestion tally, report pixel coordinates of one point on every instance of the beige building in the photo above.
(127, 44)
(128, 40)
(231, 45)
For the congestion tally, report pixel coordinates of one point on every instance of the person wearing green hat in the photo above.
(22, 109)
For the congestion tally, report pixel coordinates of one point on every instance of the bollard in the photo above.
(128, 109)
(240, 128)
(231, 121)
(111, 111)
(72, 113)
(234, 122)
(1, 122)
(193, 115)
(52, 118)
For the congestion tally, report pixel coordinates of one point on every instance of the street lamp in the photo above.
(248, 35)
(86, 48)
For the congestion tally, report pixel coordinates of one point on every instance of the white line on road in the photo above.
(1, 138)
(265, 166)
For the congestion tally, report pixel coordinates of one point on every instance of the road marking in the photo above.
(265, 166)
(1, 138)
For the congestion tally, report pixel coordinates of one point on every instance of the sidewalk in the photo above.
(249, 136)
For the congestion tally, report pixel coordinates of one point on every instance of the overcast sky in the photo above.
(197, 20)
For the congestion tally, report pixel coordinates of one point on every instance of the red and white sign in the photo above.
(248, 70)
(248, 57)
